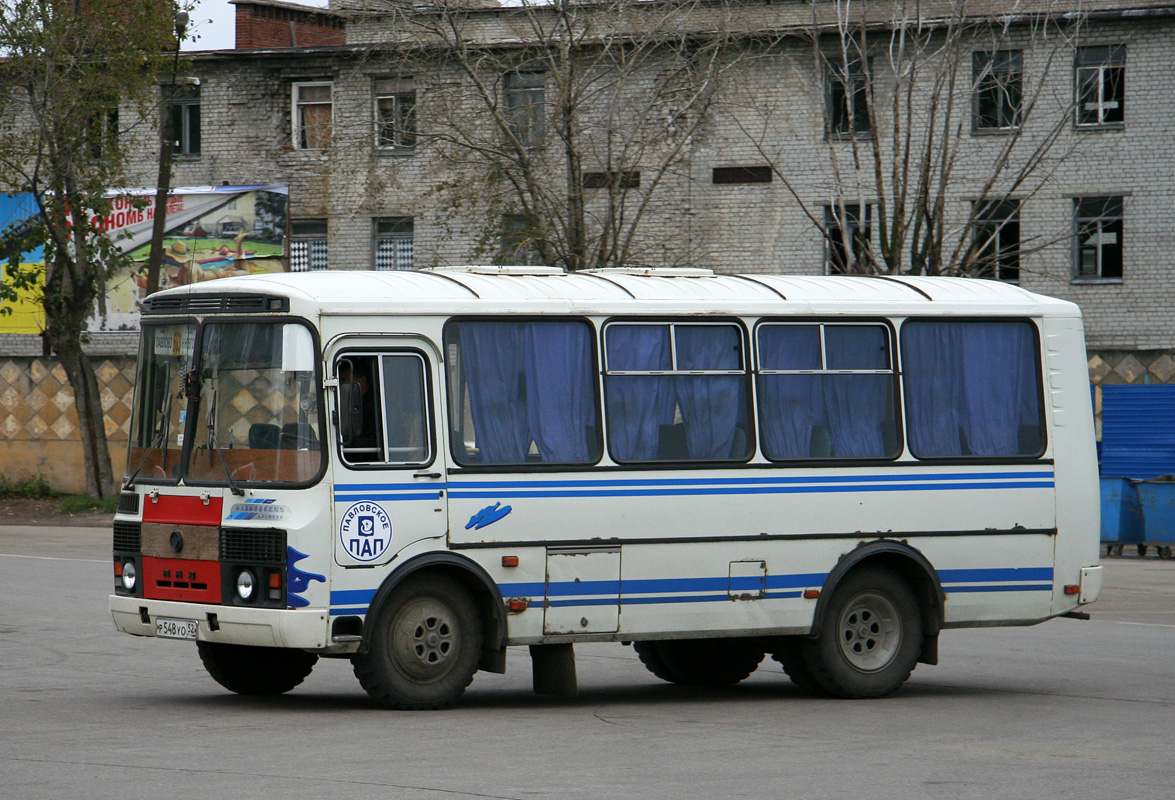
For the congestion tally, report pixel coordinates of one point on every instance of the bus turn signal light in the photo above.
(1072, 588)
(509, 561)
(516, 604)
(811, 594)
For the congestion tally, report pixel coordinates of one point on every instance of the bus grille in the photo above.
(202, 303)
(128, 537)
(253, 546)
(128, 503)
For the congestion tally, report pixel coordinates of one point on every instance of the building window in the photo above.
(520, 241)
(847, 235)
(395, 114)
(847, 97)
(995, 234)
(1097, 238)
(618, 181)
(185, 118)
(102, 132)
(998, 81)
(730, 175)
(524, 105)
(393, 243)
(313, 115)
(1101, 86)
(307, 245)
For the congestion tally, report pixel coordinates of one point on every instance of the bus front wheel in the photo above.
(249, 670)
(869, 642)
(424, 645)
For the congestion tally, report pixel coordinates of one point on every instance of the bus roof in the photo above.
(546, 290)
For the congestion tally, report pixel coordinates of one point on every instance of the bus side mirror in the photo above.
(350, 411)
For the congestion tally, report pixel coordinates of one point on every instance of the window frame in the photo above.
(182, 101)
(377, 354)
(393, 237)
(1081, 225)
(842, 118)
(984, 216)
(1042, 422)
(859, 243)
(745, 371)
(1098, 62)
(298, 126)
(402, 94)
(526, 117)
(309, 239)
(456, 391)
(894, 372)
(1001, 72)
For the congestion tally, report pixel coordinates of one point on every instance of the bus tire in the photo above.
(424, 646)
(791, 658)
(249, 670)
(705, 662)
(870, 640)
(650, 655)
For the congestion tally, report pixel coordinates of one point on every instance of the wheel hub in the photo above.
(425, 639)
(869, 631)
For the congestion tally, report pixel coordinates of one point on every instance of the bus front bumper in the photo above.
(302, 629)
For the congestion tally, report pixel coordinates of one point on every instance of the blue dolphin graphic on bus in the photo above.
(488, 516)
(296, 580)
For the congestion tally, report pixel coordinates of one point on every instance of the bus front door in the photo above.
(388, 481)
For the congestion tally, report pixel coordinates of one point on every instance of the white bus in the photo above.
(417, 470)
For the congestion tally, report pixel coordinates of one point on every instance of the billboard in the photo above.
(212, 232)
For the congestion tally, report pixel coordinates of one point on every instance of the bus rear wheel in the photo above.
(700, 662)
(870, 640)
(255, 670)
(424, 645)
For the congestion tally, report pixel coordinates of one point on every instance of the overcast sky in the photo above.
(214, 21)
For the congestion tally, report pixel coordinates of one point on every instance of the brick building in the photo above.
(388, 141)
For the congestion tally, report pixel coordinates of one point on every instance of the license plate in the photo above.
(166, 628)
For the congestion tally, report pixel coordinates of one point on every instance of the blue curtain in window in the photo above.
(638, 405)
(932, 360)
(493, 357)
(560, 391)
(711, 405)
(788, 404)
(1001, 391)
(856, 406)
(970, 386)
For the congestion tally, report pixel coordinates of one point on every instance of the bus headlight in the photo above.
(245, 584)
(128, 575)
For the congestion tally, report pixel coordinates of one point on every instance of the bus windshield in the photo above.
(157, 431)
(250, 405)
(256, 406)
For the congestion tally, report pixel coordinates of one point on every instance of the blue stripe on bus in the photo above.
(653, 591)
(732, 490)
(645, 482)
(387, 498)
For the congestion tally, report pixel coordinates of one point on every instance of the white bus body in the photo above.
(416, 470)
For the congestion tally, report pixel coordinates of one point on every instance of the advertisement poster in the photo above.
(212, 232)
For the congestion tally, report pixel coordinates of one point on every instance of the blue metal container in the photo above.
(1122, 519)
(1157, 500)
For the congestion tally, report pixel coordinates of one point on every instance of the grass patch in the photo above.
(33, 487)
(76, 504)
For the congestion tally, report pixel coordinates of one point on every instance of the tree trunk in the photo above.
(87, 402)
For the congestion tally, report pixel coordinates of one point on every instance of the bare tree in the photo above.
(73, 72)
(926, 105)
(562, 125)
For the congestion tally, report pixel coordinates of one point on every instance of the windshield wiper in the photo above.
(157, 442)
(215, 445)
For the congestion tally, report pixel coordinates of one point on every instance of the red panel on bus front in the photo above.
(181, 579)
(182, 510)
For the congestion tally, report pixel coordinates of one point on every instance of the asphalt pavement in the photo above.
(1063, 709)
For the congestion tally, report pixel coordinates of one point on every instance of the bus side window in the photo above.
(364, 445)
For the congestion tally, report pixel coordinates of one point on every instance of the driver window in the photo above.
(392, 425)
